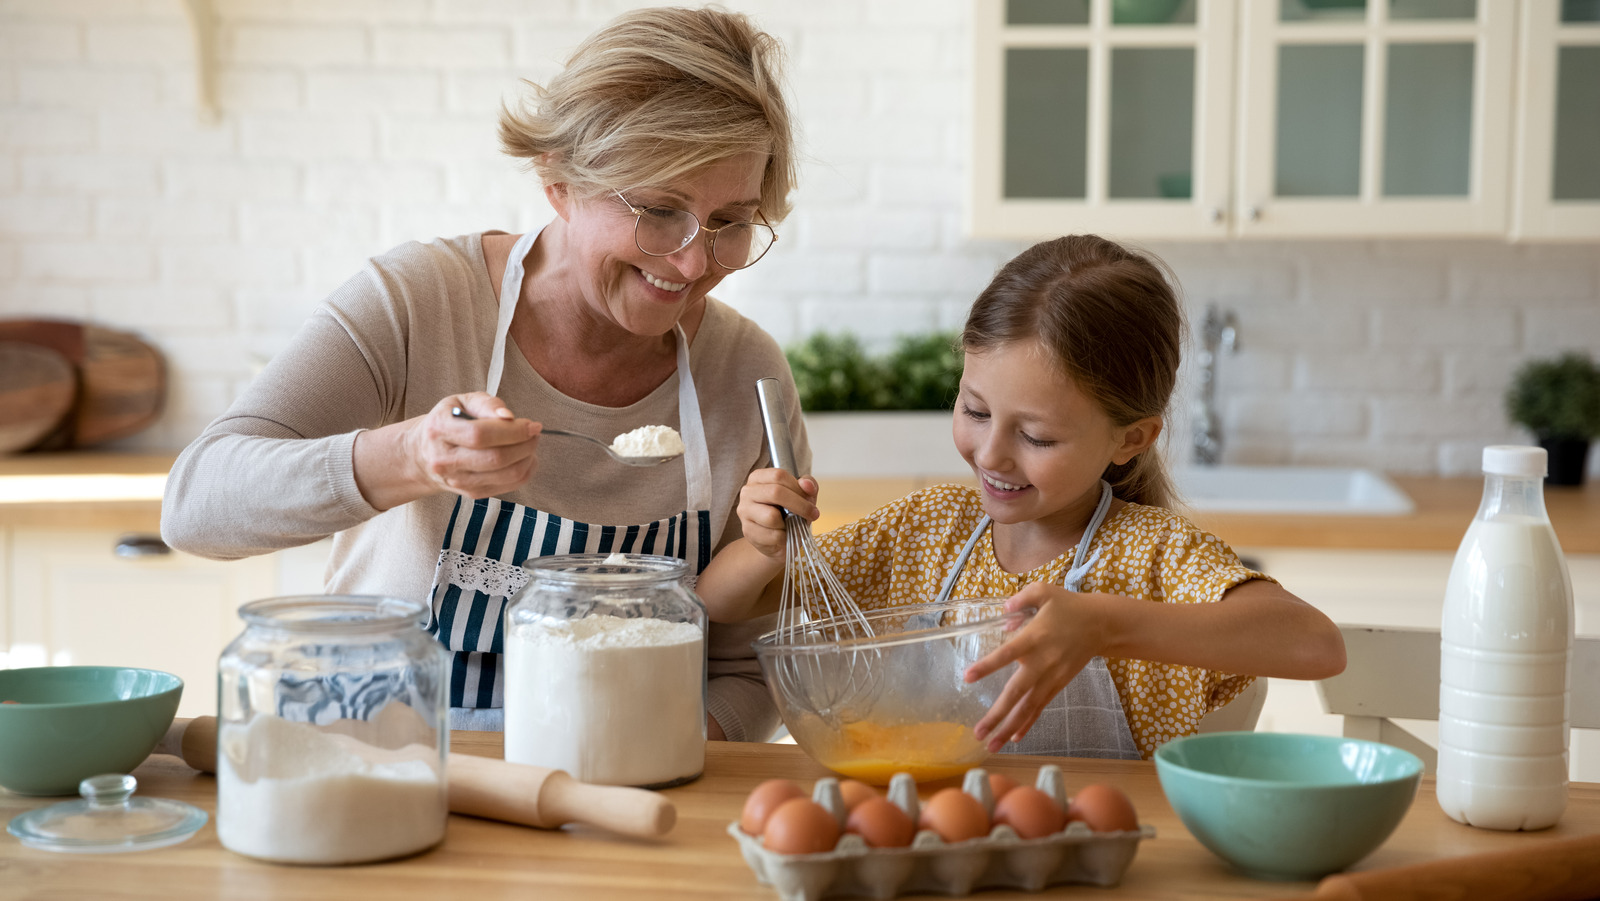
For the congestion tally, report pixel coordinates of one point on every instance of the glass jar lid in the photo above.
(608, 569)
(107, 820)
(335, 613)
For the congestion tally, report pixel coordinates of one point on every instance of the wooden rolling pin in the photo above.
(1554, 870)
(489, 788)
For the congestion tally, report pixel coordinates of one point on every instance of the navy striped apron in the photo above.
(487, 540)
(1086, 719)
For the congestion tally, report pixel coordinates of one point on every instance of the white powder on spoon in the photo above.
(291, 793)
(649, 441)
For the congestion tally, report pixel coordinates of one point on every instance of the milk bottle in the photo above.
(1505, 652)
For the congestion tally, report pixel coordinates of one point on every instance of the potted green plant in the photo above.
(1559, 401)
(835, 373)
(882, 414)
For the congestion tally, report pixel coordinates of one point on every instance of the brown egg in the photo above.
(800, 826)
(881, 824)
(855, 791)
(1030, 812)
(999, 784)
(1104, 808)
(955, 815)
(763, 800)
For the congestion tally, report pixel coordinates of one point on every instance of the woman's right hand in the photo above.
(491, 454)
(762, 500)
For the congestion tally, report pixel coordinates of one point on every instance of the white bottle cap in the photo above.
(1514, 460)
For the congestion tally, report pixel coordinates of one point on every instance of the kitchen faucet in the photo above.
(1218, 332)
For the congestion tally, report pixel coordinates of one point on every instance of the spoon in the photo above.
(624, 459)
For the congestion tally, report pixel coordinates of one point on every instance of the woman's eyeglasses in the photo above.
(662, 231)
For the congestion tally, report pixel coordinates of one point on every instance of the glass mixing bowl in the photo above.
(895, 702)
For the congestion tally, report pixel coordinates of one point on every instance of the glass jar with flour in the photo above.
(331, 732)
(605, 661)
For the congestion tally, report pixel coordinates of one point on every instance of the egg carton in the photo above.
(929, 864)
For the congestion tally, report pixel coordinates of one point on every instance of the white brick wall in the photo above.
(351, 125)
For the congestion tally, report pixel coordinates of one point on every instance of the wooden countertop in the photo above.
(697, 860)
(32, 487)
(1444, 508)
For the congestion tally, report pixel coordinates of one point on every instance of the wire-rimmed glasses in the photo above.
(662, 231)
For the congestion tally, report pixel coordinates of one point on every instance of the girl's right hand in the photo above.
(1057, 643)
(492, 453)
(762, 500)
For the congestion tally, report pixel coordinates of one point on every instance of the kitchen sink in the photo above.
(1290, 489)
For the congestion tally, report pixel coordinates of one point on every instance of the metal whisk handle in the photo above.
(775, 417)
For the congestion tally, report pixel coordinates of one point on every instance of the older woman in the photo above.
(665, 149)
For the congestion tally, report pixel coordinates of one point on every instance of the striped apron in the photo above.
(487, 541)
(1086, 718)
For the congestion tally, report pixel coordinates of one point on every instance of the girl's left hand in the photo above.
(1053, 647)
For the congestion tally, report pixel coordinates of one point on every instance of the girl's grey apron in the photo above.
(1086, 718)
(480, 563)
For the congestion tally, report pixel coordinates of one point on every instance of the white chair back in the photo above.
(1393, 673)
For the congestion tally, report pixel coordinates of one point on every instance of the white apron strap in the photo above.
(961, 561)
(510, 292)
(696, 453)
(1082, 560)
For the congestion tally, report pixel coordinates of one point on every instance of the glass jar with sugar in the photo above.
(605, 661)
(331, 732)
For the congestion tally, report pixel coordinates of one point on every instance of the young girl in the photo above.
(1071, 356)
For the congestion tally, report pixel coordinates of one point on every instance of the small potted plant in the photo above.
(1559, 401)
(886, 414)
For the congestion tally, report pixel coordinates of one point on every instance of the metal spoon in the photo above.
(460, 413)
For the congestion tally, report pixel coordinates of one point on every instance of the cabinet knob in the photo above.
(1253, 214)
(1215, 215)
(141, 546)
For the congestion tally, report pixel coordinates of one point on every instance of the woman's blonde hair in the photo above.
(654, 96)
(1110, 318)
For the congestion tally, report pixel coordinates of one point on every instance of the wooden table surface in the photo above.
(484, 859)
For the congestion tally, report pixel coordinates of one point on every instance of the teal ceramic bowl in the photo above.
(1283, 806)
(73, 722)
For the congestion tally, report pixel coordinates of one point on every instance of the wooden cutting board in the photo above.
(122, 381)
(37, 390)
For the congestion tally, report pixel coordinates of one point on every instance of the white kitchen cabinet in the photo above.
(1289, 118)
(1088, 118)
(1558, 121)
(74, 600)
(1375, 118)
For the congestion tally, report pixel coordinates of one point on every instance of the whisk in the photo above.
(817, 618)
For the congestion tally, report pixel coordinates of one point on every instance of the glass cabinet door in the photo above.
(1374, 117)
(1109, 116)
(1558, 127)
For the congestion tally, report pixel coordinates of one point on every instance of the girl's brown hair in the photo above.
(1110, 318)
(654, 96)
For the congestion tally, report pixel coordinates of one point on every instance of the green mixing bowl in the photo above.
(73, 722)
(1283, 806)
